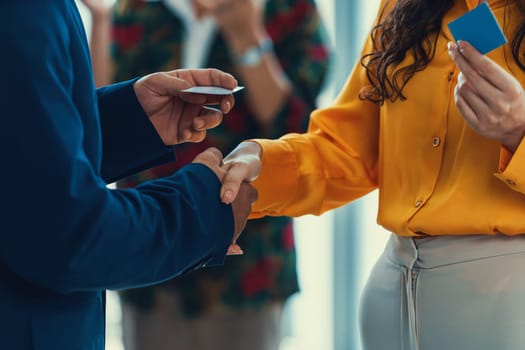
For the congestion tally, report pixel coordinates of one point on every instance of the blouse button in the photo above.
(450, 76)
(418, 203)
(436, 141)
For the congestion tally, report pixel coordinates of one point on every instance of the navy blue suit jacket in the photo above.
(64, 236)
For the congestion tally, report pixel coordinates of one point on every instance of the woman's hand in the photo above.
(490, 99)
(241, 206)
(181, 116)
(242, 165)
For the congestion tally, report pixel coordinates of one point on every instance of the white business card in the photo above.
(212, 90)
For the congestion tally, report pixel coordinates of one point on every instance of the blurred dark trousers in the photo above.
(165, 328)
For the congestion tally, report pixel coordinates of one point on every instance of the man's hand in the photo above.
(490, 99)
(181, 116)
(212, 158)
(241, 206)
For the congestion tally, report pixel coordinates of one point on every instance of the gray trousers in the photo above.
(446, 293)
(165, 328)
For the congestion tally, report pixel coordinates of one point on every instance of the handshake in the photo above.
(235, 172)
(179, 116)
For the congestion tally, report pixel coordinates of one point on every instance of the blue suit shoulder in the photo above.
(66, 237)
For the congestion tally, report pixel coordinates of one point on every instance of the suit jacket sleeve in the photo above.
(136, 149)
(62, 228)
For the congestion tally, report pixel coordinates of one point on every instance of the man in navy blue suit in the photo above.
(64, 236)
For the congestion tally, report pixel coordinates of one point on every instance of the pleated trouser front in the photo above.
(446, 293)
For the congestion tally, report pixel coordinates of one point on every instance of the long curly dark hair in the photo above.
(413, 26)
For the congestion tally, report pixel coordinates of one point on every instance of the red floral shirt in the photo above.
(147, 38)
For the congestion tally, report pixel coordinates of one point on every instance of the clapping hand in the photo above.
(235, 18)
(181, 116)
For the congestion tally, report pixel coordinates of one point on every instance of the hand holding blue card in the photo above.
(480, 28)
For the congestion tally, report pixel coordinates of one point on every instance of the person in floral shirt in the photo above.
(278, 50)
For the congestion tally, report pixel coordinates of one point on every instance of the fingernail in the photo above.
(461, 45)
(228, 106)
(199, 124)
(228, 195)
(235, 252)
(450, 51)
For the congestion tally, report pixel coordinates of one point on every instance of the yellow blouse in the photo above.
(435, 175)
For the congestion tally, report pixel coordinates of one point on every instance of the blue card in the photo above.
(480, 28)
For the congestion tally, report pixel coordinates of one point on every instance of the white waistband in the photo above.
(427, 253)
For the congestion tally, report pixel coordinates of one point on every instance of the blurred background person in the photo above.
(278, 50)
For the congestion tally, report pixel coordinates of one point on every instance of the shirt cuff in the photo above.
(511, 168)
(277, 182)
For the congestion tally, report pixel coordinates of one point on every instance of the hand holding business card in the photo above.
(480, 28)
(212, 90)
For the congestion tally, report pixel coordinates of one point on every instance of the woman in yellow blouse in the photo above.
(437, 128)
